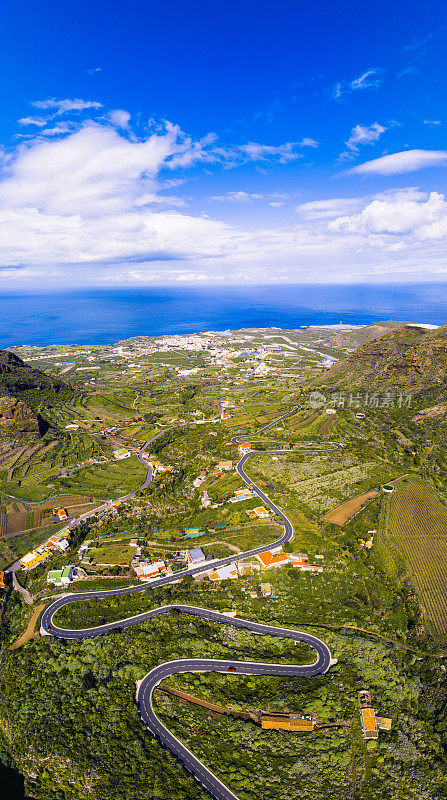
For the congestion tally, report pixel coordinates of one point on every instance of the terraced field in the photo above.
(415, 524)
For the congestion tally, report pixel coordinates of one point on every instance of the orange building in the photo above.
(286, 722)
(369, 723)
(271, 559)
(244, 448)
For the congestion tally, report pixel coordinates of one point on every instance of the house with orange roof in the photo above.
(244, 448)
(260, 512)
(369, 723)
(272, 558)
(367, 715)
(225, 465)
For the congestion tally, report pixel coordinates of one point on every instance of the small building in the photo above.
(228, 572)
(54, 577)
(299, 559)
(247, 567)
(287, 722)
(61, 577)
(67, 575)
(148, 571)
(272, 558)
(62, 544)
(266, 589)
(71, 427)
(205, 501)
(158, 467)
(244, 448)
(367, 715)
(241, 494)
(195, 556)
(60, 513)
(369, 723)
(224, 466)
(199, 480)
(33, 558)
(50, 544)
(384, 723)
(260, 512)
(121, 453)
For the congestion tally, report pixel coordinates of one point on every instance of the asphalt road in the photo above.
(145, 687)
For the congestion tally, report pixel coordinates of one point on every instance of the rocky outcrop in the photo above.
(16, 416)
(16, 376)
(408, 359)
(431, 414)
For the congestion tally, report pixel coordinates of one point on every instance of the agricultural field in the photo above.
(342, 513)
(319, 483)
(120, 554)
(414, 526)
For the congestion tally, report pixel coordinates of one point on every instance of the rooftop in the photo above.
(269, 559)
(196, 554)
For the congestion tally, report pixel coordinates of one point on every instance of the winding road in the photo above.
(146, 686)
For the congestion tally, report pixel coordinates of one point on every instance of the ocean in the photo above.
(103, 317)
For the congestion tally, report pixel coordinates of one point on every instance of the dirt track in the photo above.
(29, 633)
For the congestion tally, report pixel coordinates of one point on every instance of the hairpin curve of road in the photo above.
(204, 776)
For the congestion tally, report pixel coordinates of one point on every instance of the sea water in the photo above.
(103, 317)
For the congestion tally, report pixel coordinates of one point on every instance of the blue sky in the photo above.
(221, 142)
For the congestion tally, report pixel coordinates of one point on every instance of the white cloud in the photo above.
(40, 122)
(422, 216)
(120, 118)
(254, 151)
(398, 163)
(64, 106)
(92, 206)
(306, 142)
(360, 135)
(236, 197)
(364, 134)
(371, 79)
(327, 209)
(432, 122)
(58, 129)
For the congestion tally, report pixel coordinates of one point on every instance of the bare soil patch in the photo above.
(29, 632)
(343, 513)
